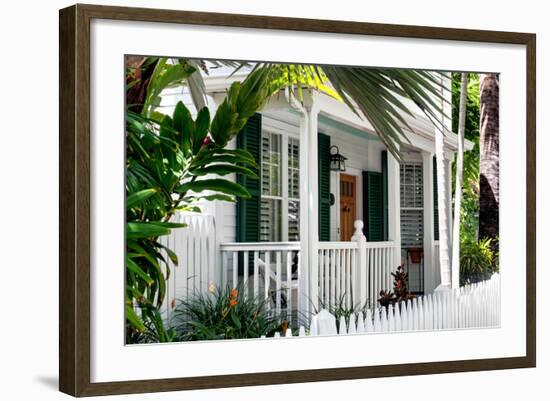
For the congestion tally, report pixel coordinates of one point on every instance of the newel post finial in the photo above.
(360, 290)
(358, 234)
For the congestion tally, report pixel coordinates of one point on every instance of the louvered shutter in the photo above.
(375, 202)
(384, 195)
(324, 186)
(373, 206)
(248, 209)
(436, 202)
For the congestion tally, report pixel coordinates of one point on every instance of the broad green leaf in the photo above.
(223, 169)
(217, 185)
(136, 269)
(139, 197)
(133, 319)
(202, 124)
(184, 124)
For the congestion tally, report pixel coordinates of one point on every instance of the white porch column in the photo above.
(309, 237)
(448, 163)
(304, 221)
(312, 113)
(428, 223)
(394, 208)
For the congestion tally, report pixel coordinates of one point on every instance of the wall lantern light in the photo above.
(337, 161)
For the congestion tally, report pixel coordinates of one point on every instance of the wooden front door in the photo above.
(348, 202)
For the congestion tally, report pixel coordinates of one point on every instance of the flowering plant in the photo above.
(226, 313)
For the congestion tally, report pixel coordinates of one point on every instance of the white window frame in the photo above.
(421, 209)
(284, 134)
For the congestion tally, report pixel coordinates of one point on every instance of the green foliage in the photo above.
(372, 93)
(339, 309)
(165, 75)
(225, 313)
(470, 190)
(167, 158)
(241, 102)
(478, 260)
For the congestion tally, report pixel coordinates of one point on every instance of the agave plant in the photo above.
(169, 162)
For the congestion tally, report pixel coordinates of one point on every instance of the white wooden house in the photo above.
(310, 235)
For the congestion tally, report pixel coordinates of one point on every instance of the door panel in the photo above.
(348, 202)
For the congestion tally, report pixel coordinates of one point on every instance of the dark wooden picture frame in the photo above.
(74, 199)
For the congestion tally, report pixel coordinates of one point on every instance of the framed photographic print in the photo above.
(278, 200)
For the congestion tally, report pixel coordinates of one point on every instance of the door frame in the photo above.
(335, 189)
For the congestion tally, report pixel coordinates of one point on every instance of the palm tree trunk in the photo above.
(489, 157)
(455, 262)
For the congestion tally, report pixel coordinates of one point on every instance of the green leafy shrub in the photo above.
(478, 259)
(225, 313)
(168, 159)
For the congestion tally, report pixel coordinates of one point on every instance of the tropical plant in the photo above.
(478, 260)
(167, 159)
(375, 94)
(226, 313)
(400, 291)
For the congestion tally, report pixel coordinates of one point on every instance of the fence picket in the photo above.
(471, 306)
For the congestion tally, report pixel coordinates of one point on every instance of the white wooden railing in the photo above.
(264, 271)
(353, 273)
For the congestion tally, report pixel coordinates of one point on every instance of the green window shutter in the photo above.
(436, 202)
(373, 206)
(324, 186)
(375, 202)
(385, 195)
(248, 209)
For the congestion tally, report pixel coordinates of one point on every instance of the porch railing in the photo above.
(353, 273)
(264, 271)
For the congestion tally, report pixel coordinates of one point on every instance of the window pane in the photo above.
(271, 164)
(293, 220)
(411, 228)
(270, 220)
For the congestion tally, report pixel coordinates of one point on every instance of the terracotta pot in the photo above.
(416, 254)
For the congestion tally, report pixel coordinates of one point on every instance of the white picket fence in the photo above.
(471, 306)
(196, 271)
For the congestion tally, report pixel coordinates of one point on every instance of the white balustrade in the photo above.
(354, 272)
(274, 271)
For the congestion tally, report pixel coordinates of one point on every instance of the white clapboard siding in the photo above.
(194, 246)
